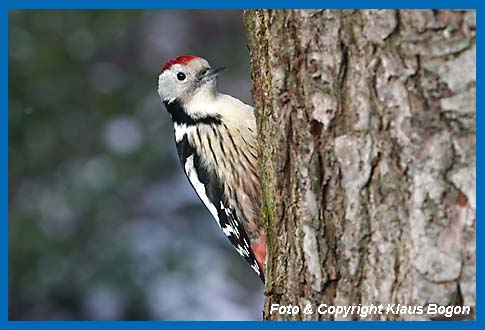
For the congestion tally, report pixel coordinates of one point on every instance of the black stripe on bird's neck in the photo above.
(179, 116)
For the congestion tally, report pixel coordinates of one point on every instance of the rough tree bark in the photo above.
(366, 122)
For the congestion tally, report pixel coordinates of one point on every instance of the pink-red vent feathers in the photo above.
(184, 59)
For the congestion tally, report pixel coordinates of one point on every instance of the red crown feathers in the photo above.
(179, 60)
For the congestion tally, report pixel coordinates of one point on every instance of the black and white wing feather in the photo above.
(211, 193)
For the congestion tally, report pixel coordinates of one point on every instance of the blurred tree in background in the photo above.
(102, 222)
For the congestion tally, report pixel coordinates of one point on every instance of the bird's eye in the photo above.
(180, 76)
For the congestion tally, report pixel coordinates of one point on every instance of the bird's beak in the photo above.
(213, 72)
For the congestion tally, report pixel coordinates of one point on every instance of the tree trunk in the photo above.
(366, 121)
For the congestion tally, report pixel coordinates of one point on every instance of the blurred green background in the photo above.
(102, 221)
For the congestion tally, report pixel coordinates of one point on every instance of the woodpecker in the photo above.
(215, 137)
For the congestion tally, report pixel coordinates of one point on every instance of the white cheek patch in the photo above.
(199, 186)
(163, 80)
(168, 88)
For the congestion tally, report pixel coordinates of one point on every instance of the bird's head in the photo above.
(183, 77)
